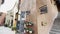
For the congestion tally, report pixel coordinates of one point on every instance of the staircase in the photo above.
(56, 26)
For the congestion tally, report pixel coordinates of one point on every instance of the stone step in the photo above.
(56, 27)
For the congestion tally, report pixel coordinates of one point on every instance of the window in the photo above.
(23, 14)
(43, 9)
(27, 12)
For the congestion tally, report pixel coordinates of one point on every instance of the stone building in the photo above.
(42, 14)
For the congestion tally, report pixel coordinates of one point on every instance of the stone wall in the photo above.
(47, 18)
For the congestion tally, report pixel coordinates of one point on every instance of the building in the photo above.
(42, 14)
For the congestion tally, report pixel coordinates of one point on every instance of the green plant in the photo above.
(14, 28)
(26, 23)
(6, 25)
(30, 23)
(26, 29)
(30, 30)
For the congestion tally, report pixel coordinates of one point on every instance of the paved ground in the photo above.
(6, 30)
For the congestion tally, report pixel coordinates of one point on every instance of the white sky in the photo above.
(8, 5)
